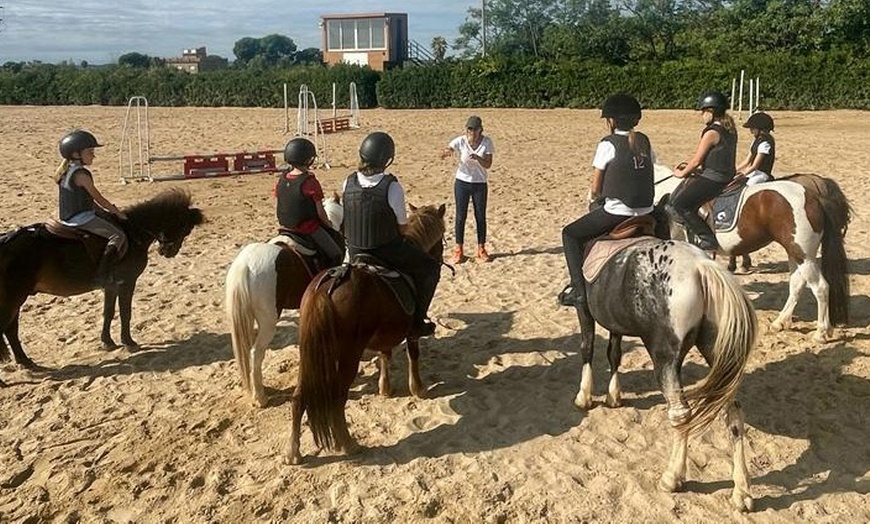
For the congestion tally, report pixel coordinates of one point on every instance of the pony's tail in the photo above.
(728, 307)
(835, 264)
(319, 386)
(240, 313)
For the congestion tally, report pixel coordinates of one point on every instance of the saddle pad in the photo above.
(602, 251)
(293, 244)
(726, 209)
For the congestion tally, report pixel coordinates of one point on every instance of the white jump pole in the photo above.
(740, 96)
(751, 97)
(334, 115)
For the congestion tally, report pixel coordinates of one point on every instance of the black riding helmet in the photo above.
(377, 150)
(761, 121)
(621, 105)
(712, 100)
(75, 142)
(299, 152)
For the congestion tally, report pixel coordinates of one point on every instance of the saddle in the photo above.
(625, 234)
(306, 248)
(399, 283)
(94, 244)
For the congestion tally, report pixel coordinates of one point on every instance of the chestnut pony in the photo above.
(339, 319)
(802, 213)
(32, 260)
(263, 280)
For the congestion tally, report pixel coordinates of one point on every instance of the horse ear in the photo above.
(441, 210)
(412, 206)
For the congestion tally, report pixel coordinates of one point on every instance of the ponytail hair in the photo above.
(61, 170)
(728, 123)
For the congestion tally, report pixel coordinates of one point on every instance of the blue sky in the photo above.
(100, 31)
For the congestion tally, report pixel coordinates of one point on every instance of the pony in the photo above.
(674, 297)
(34, 260)
(339, 319)
(263, 280)
(802, 214)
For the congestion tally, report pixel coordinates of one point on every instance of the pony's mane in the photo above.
(425, 227)
(169, 210)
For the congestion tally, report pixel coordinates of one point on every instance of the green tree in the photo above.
(439, 48)
(246, 49)
(469, 43)
(308, 56)
(135, 60)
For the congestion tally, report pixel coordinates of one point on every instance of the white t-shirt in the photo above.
(603, 155)
(470, 170)
(395, 194)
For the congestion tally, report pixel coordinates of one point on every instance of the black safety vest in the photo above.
(73, 198)
(294, 207)
(629, 176)
(721, 162)
(770, 158)
(369, 221)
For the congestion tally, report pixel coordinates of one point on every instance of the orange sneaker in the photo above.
(482, 255)
(458, 255)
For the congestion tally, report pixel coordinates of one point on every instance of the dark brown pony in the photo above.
(32, 260)
(338, 321)
(804, 216)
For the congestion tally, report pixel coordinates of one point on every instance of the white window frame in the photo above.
(374, 24)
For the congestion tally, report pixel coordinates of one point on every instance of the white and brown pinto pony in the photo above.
(263, 280)
(801, 213)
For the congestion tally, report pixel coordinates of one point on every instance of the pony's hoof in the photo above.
(292, 459)
(742, 501)
(776, 326)
(261, 401)
(132, 346)
(670, 483)
(583, 401)
(613, 401)
(110, 345)
(821, 337)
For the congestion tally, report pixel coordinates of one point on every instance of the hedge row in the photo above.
(821, 81)
(834, 80)
(163, 86)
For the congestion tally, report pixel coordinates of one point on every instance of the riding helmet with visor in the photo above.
(377, 150)
(299, 152)
(712, 100)
(76, 141)
(761, 121)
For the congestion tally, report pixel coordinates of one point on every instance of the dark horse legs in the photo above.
(124, 295)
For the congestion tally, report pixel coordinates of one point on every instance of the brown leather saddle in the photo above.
(605, 247)
(94, 244)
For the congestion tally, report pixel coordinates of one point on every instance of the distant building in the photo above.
(196, 60)
(378, 40)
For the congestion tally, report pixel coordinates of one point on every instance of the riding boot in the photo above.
(704, 236)
(106, 269)
(422, 326)
(574, 293)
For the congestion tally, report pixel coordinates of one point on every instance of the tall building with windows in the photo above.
(378, 40)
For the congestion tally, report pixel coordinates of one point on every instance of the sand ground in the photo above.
(166, 435)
